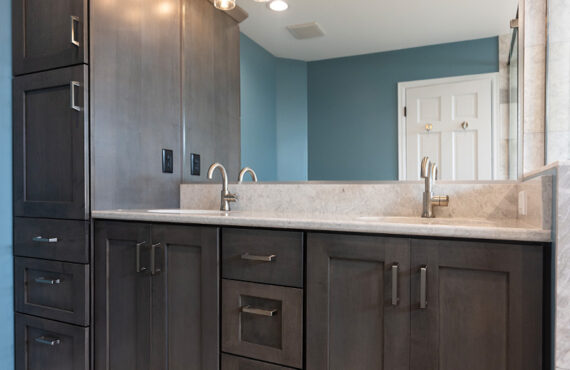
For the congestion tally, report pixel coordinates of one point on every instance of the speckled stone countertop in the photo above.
(507, 229)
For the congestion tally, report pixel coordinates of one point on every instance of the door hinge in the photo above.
(405, 111)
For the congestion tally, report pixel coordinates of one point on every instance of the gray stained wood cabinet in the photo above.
(156, 297)
(467, 305)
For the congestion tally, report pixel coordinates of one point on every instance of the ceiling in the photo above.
(355, 27)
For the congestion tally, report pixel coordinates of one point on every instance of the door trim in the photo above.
(402, 89)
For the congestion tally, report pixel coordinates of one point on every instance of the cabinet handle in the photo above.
(395, 270)
(423, 287)
(40, 239)
(259, 311)
(47, 340)
(43, 280)
(72, 86)
(138, 258)
(252, 257)
(74, 21)
(153, 269)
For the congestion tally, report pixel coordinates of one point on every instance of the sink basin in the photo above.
(429, 221)
(189, 211)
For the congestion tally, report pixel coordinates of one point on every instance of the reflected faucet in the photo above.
(429, 172)
(226, 196)
(244, 171)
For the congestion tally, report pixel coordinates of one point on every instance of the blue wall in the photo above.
(353, 122)
(273, 114)
(6, 285)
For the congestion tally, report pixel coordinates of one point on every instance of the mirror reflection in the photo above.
(362, 90)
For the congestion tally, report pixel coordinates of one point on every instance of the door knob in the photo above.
(465, 125)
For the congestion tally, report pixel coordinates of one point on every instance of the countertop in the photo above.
(413, 226)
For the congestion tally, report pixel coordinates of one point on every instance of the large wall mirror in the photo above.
(361, 90)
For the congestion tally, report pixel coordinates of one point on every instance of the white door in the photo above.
(452, 123)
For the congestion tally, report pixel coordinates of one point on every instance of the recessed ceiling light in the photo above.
(225, 4)
(278, 5)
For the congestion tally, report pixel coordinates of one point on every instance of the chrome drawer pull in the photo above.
(153, 269)
(258, 311)
(74, 21)
(395, 299)
(139, 268)
(40, 239)
(72, 86)
(253, 257)
(423, 287)
(43, 280)
(47, 340)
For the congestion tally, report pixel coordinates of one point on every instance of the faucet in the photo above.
(429, 172)
(244, 171)
(226, 197)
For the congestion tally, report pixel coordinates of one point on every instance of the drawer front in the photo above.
(230, 362)
(61, 240)
(263, 322)
(49, 345)
(51, 289)
(263, 256)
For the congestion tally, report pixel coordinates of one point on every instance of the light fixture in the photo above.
(225, 4)
(278, 5)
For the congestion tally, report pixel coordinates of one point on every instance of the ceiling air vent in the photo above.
(306, 31)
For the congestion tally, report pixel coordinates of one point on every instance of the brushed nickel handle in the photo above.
(153, 269)
(74, 21)
(423, 287)
(138, 257)
(72, 86)
(395, 298)
(48, 340)
(43, 280)
(253, 257)
(259, 311)
(465, 125)
(41, 239)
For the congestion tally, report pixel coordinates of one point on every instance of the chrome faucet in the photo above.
(429, 172)
(226, 196)
(244, 171)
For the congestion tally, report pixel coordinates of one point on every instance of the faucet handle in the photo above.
(231, 197)
(424, 169)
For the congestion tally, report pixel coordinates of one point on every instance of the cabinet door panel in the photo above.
(42, 34)
(50, 144)
(351, 321)
(122, 297)
(185, 290)
(484, 306)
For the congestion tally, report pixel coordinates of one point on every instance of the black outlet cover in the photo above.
(195, 164)
(167, 161)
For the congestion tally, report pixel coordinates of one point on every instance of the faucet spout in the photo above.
(246, 170)
(226, 196)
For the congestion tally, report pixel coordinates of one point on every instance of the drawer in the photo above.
(263, 256)
(42, 344)
(263, 322)
(61, 240)
(51, 289)
(230, 362)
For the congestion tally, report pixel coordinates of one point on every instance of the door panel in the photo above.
(51, 174)
(185, 303)
(484, 306)
(352, 322)
(43, 32)
(122, 297)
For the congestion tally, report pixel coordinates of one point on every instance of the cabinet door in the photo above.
(48, 34)
(185, 290)
(122, 296)
(483, 306)
(357, 302)
(50, 144)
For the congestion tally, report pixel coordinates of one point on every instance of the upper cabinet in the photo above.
(49, 34)
(50, 144)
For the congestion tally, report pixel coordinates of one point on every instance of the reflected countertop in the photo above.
(413, 226)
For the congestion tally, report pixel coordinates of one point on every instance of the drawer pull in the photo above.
(41, 239)
(74, 21)
(153, 269)
(72, 86)
(259, 311)
(139, 268)
(423, 287)
(47, 340)
(253, 257)
(43, 280)
(395, 299)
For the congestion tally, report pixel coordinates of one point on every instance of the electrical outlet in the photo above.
(167, 161)
(195, 164)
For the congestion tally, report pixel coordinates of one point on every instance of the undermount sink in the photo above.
(428, 221)
(189, 211)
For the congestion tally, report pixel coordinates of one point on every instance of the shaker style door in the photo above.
(51, 172)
